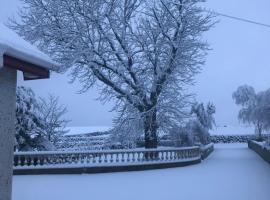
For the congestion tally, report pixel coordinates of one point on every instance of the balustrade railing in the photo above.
(103, 158)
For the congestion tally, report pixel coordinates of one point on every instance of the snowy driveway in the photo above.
(232, 172)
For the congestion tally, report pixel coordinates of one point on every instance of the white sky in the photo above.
(240, 55)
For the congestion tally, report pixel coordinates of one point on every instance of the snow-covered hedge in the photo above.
(84, 142)
(233, 138)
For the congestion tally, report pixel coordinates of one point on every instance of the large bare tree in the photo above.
(143, 52)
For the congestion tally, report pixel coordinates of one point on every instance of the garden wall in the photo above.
(233, 138)
(260, 149)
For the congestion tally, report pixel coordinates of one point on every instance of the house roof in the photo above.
(19, 54)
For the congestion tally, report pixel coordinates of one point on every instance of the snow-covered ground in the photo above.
(219, 130)
(232, 172)
(232, 130)
(78, 130)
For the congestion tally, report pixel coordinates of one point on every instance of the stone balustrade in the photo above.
(52, 162)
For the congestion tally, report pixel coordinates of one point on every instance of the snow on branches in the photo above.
(29, 126)
(144, 52)
(255, 107)
(39, 122)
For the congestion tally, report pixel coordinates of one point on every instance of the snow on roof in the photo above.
(13, 45)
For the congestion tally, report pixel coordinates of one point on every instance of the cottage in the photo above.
(15, 55)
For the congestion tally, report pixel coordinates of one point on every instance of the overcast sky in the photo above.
(240, 55)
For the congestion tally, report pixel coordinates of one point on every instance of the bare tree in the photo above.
(255, 107)
(143, 51)
(52, 112)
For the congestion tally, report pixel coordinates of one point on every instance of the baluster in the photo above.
(67, 159)
(19, 161)
(112, 157)
(178, 155)
(62, 158)
(76, 158)
(123, 157)
(52, 159)
(87, 157)
(105, 158)
(45, 162)
(99, 157)
(117, 157)
(138, 156)
(175, 156)
(58, 160)
(94, 158)
(82, 158)
(31, 160)
(38, 160)
(142, 157)
(166, 155)
(24, 161)
(49, 159)
(183, 156)
(162, 155)
(128, 157)
(133, 154)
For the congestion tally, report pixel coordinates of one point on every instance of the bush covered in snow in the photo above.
(196, 130)
(38, 122)
(29, 125)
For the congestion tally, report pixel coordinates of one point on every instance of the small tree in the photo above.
(197, 128)
(51, 113)
(39, 122)
(203, 122)
(255, 108)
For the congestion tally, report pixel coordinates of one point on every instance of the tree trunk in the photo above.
(259, 127)
(150, 129)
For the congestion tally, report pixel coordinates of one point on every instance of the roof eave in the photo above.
(30, 71)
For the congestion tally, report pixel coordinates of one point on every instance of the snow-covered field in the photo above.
(232, 172)
(78, 130)
(233, 130)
